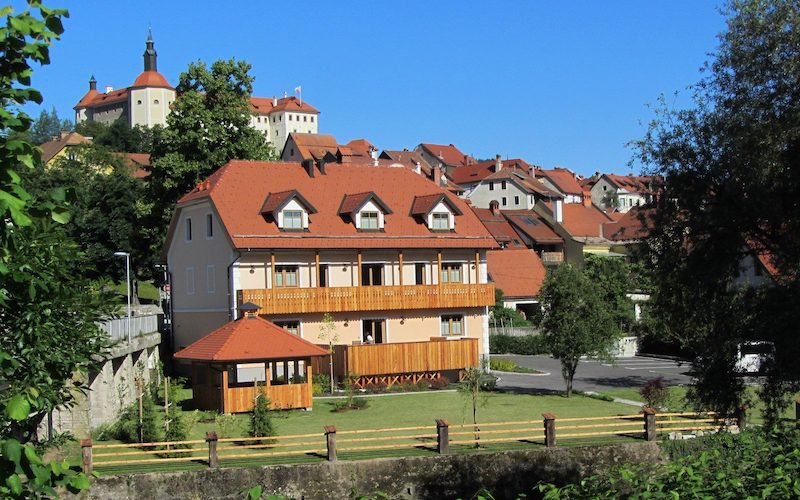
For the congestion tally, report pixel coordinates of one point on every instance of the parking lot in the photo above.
(594, 375)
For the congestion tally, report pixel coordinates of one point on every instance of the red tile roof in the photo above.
(94, 99)
(531, 225)
(151, 79)
(264, 105)
(51, 148)
(583, 221)
(475, 172)
(634, 225)
(361, 146)
(423, 205)
(449, 154)
(631, 183)
(563, 179)
(249, 339)
(314, 146)
(499, 227)
(409, 158)
(353, 202)
(239, 189)
(518, 273)
(523, 180)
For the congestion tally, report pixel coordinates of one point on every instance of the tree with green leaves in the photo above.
(48, 126)
(502, 315)
(575, 319)
(120, 137)
(613, 275)
(731, 173)
(209, 125)
(327, 334)
(261, 424)
(48, 331)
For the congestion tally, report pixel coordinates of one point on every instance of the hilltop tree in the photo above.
(575, 319)
(120, 137)
(208, 126)
(49, 125)
(731, 170)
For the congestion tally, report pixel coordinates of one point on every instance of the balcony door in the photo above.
(373, 331)
(371, 274)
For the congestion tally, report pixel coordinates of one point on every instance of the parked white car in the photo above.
(753, 356)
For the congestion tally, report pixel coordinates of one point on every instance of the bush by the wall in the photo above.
(526, 344)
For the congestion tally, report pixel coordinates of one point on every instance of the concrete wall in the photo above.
(504, 474)
(111, 387)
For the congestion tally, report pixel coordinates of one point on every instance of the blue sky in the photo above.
(556, 83)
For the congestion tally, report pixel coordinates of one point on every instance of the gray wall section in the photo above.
(504, 474)
(111, 388)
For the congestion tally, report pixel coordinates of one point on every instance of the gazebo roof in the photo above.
(249, 339)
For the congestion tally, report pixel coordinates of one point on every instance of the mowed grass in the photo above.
(388, 412)
(679, 402)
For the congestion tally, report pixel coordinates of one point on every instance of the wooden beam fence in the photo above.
(435, 438)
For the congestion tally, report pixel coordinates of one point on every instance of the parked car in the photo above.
(752, 357)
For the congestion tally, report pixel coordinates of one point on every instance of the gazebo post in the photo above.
(309, 383)
(224, 386)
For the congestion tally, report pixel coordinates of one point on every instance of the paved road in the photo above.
(593, 375)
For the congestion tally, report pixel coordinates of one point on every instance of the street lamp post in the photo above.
(128, 284)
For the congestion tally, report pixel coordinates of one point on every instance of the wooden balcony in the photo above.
(367, 298)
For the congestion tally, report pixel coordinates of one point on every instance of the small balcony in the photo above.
(552, 257)
(367, 298)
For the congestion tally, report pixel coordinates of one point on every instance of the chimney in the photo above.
(274, 102)
(374, 155)
(109, 88)
(467, 160)
(249, 310)
(494, 206)
(437, 175)
(498, 163)
(321, 166)
(417, 168)
(558, 211)
(587, 198)
(308, 165)
(92, 83)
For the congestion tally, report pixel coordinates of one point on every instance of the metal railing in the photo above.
(117, 328)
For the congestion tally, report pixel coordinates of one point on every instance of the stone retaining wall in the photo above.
(504, 474)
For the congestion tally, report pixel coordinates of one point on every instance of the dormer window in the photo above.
(292, 219)
(369, 221)
(437, 211)
(365, 210)
(289, 209)
(440, 221)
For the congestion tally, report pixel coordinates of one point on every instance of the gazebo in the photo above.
(247, 355)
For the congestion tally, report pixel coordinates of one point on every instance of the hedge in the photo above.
(525, 344)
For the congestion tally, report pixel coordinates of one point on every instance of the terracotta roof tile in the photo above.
(634, 225)
(449, 154)
(353, 202)
(314, 146)
(151, 79)
(475, 172)
(238, 191)
(499, 227)
(51, 148)
(264, 105)
(274, 201)
(249, 339)
(631, 183)
(563, 179)
(517, 272)
(583, 221)
(531, 225)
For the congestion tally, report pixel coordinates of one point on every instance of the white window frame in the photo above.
(284, 218)
(377, 220)
(434, 218)
(291, 320)
(187, 229)
(459, 265)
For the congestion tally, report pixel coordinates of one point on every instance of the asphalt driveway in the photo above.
(593, 375)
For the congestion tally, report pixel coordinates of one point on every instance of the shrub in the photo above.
(261, 420)
(321, 384)
(655, 393)
(175, 432)
(225, 423)
(127, 427)
(349, 404)
(376, 387)
(502, 365)
(439, 383)
(525, 344)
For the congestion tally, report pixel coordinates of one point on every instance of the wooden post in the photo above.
(400, 263)
(330, 438)
(741, 416)
(86, 455)
(443, 436)
(549, 429)
(309, 385)
(439, 264)
(211, 439)
(649, 423)
(316, 266)
(358, 260)
(267, 375)
(224, 388)
(272, 269)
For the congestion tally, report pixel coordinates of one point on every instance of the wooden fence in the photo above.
(356, 443)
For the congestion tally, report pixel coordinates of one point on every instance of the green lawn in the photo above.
(147, 291)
